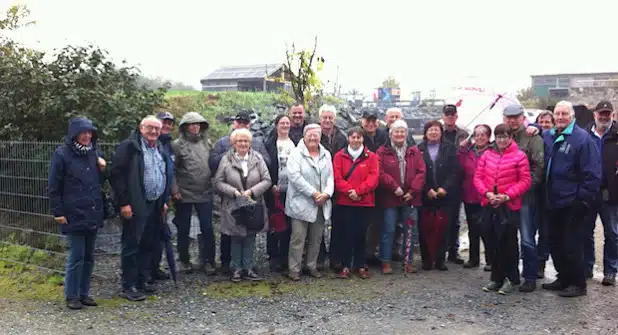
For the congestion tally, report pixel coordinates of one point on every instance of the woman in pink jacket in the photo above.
(502, 177)
(469, 156)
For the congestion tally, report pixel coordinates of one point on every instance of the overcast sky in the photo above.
(424, 44)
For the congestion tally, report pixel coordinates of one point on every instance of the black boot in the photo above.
(541, 271)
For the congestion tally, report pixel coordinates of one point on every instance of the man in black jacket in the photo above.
(604, 133)
(141, 175)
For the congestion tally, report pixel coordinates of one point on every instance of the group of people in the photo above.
(376, 187)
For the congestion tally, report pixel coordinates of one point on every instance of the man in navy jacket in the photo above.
(573, 180)
(141, 178)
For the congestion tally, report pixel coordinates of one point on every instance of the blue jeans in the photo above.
(242, 252)
(183, 223)
(391, 216)
(609, 218)
(527, 231)
(80, 263)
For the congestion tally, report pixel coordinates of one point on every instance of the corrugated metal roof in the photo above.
(244, 72)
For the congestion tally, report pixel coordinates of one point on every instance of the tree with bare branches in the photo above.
(302, 68)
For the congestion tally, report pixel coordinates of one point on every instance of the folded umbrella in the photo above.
(169, 251)
(433, 223)
(410, 222)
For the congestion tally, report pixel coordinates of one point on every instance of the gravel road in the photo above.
(429, 302)
(425, 303)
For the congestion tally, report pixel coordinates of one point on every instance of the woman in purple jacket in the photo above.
(468, 158)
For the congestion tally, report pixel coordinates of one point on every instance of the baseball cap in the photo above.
(513, 110)
(449, 109)
(243, 116)
(165, 116)
(604, 106)
(369, 114)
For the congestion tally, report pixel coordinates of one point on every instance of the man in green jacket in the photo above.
(534, 148)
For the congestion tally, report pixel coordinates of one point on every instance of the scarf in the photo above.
(81, 149)
(401, 158)
(355, 153)
(244, 164)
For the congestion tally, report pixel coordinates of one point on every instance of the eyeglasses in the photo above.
(502, 138)
(152, 128)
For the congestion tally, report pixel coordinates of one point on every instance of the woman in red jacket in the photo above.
(356, 172)
(402, 176)
(468, 159)
(502, 177)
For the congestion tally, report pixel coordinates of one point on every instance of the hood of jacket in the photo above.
(79, 125)
(193, 117)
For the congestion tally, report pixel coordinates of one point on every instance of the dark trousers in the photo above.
(478, 230)
(80, 263)
(542, 247)
(374, 231)
(454, 226)
(139, 236)
(337, 243)
(444, 239)
(278, 245)
(225, 247)
(353, 225)
(505, 263)
(183, 223)
(566, 245)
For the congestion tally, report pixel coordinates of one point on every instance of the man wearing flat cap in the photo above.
(534, 149)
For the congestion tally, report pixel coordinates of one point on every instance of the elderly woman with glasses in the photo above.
(310, 186)
(242, 178)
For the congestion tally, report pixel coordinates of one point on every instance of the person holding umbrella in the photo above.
(402, 176)
(502, 177)
(356, 173)
(441, 183)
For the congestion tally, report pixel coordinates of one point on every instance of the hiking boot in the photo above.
(386, 268)
(88, 301)
(487, 268)
(541, 271)
(527, 286)
(471, 265)
(294, 276)
(344, 274)
(492, 286)
(315, 273)
(454, 258)
(159, 274)
(363, 274)
(409, 268)
(609, 280)
(556, 285)
(572, 291)
(74, 304)
(251, 275)
(147, 288)
(336, 267)
(208, 269)
(236, 276)
(441, 267)
(506, 287)
(133, 294)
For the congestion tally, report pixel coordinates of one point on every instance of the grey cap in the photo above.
(513, 110)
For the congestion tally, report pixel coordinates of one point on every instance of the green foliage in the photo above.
(390, 82)
(303, 68)
(74, 81)
(216, 106)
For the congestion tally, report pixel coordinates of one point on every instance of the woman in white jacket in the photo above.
(311, 185)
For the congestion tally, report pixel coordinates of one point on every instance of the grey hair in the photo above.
(327, 108)
(399, 124)
(239, 133)
(394, 109)
(150, 118)
(568, 105)
(310, 127)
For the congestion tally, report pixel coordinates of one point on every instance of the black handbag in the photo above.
(250, 216)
